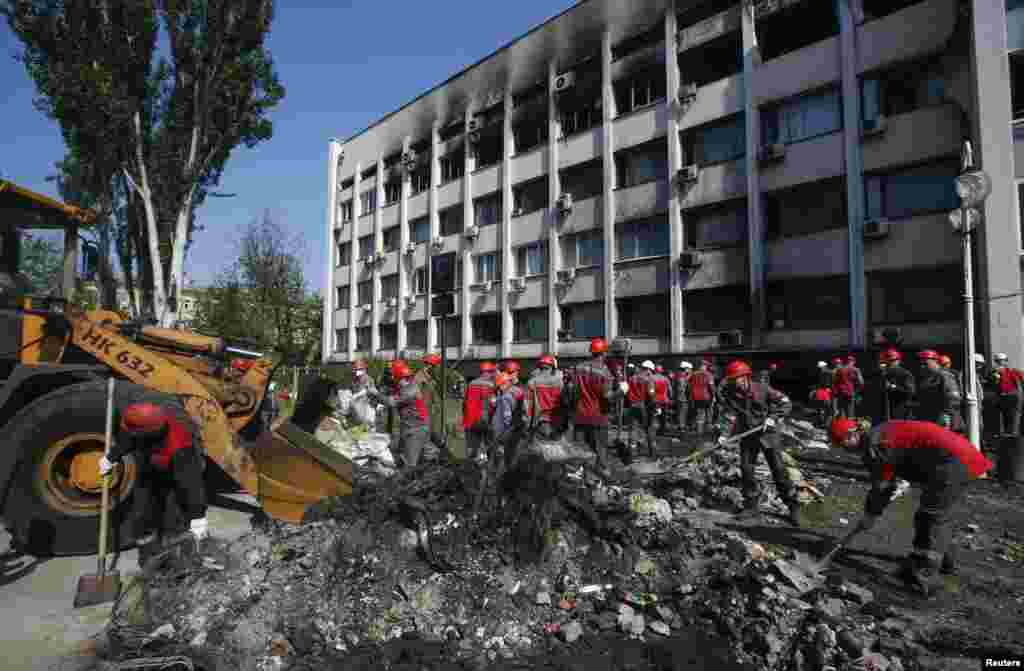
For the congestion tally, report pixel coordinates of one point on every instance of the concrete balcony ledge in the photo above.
(485, 180)
(586, 214)
(481, 351)
(417, 205)
(815, 255)
(527, 350)
(716, 100)
(720, 267)
(642, 277)
(649, 345)
(641, 125)
(912, 32)
(642, 200)
(923, 241)
(919, 135)
(449, 193)
(805, 161)
(919, 335)
(531, 226)
(345, 194)
(365, 225)
(800, 339)
(802, 70)
(580, 147)
(530, 164)
(715, 183)
(579, 347)
(390, 216)
(390, 265)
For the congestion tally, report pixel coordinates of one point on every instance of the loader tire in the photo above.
(52, 507)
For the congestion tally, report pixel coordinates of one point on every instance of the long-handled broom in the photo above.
(102, 587)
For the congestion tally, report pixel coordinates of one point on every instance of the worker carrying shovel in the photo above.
(168, 461)
(939, 460)
(746, 404)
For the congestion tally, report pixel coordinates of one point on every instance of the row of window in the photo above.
(801, 210)
(903, 297)
(895, 91)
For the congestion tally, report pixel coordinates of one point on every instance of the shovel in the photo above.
(102, 587)
(807, 574)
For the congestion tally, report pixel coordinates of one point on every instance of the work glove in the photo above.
(769, 423)
(106, 466)
(657, 412)
(200, 528)
(624, 387)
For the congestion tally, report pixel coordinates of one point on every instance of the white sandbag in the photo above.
(558, 450)
(367, 450)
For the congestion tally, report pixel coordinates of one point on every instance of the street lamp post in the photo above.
(972, 186)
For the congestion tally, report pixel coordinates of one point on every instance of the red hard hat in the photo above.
(432, 359)
(851, 359)
(945, 361)
(927, 354)
(838, 360)
(487, 367)
(359, 365)
(400, 369)
(510, 366)
(841, 428)
(660, 369)
(144, 419)
(773, 366)
(598, 346)
(547, 360)
(502, 379)
(890, 355)
(242, 364)
(737, 369)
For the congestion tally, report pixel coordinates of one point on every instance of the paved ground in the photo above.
(39, 629)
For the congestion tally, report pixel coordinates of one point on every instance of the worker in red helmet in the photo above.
(544, 396)
(1009, 387)
(477, 408)
(701, 392)
(746, 405)
(595, 389)
(898, 386)
(847, 383)
(413, 416)
(938, 395)
(941, 462)
(641, 400)
(428, 379)
(159, 435)
(662, 399)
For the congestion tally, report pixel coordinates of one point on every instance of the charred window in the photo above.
(641, 164)
(363, 339)
(579, 105)
(932, 295)
(530, 196)
(584, 320)
(714, 60)
(453, 165)
(583, 180)
(392, 238)
(389, 287)
(487, 328)
(643, 316)
(717, 225)
(416, 333)
(530, 325)
(716, 310)
(792, 306)
(389, 336)
(717, 142)
(451, 220)
(639, 90)
(796, 26)
(806, 209)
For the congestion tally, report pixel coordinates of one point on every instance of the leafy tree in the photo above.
(42, 262)
(166, 126)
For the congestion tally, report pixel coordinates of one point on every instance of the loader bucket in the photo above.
(296, 471)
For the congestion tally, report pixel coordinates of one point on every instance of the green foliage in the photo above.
(42, 263)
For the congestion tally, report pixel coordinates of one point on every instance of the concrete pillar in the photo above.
(353, 237)
(406, 268)
(505, 235)
(854, 171)
(611, 325)
(998, 242)
(751, 59)
(435, 181)
(70, 260)
(378, 247)
(327, 339)
(675, 163)
(465, 249)
(554, 219)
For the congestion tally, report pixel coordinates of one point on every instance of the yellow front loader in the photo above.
(54, 362)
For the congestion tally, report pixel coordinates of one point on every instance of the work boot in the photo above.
(794, 514)
(918, 576)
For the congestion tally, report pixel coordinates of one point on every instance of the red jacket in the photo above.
(477, 405)
(912, 450)
(1008, 380)
(702, 386)
(660, 389)
(641, 389)
(544, 395)
(594, 381)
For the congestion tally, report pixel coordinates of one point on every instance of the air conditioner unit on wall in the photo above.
(472, 232)
(730, 339)
(566, 276)
(690, 260)
(773, 152)
(874, 126)
(563, 82)
(688, 174)
(437, 244)
(518, 285)
(564, 202)
(410, 248)
(875, 229)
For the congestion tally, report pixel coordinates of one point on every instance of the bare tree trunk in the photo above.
(159, 293)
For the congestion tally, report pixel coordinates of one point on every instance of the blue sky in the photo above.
(344, 65)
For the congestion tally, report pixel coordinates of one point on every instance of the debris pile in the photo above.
(561, 565)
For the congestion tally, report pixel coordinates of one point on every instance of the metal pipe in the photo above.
(243, 352)
(973, 414)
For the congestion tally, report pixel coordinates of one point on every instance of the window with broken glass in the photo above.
(582, 250)
(453, 166)
(639, 90)
(584, 320)
(345, 212)
(392, 192)
(487, 328)
(583, 180)
(716, 142)
(530, 196)
(643, 315)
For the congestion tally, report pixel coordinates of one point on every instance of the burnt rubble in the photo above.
(561, 569)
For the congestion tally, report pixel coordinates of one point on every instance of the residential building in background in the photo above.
(697, 176)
